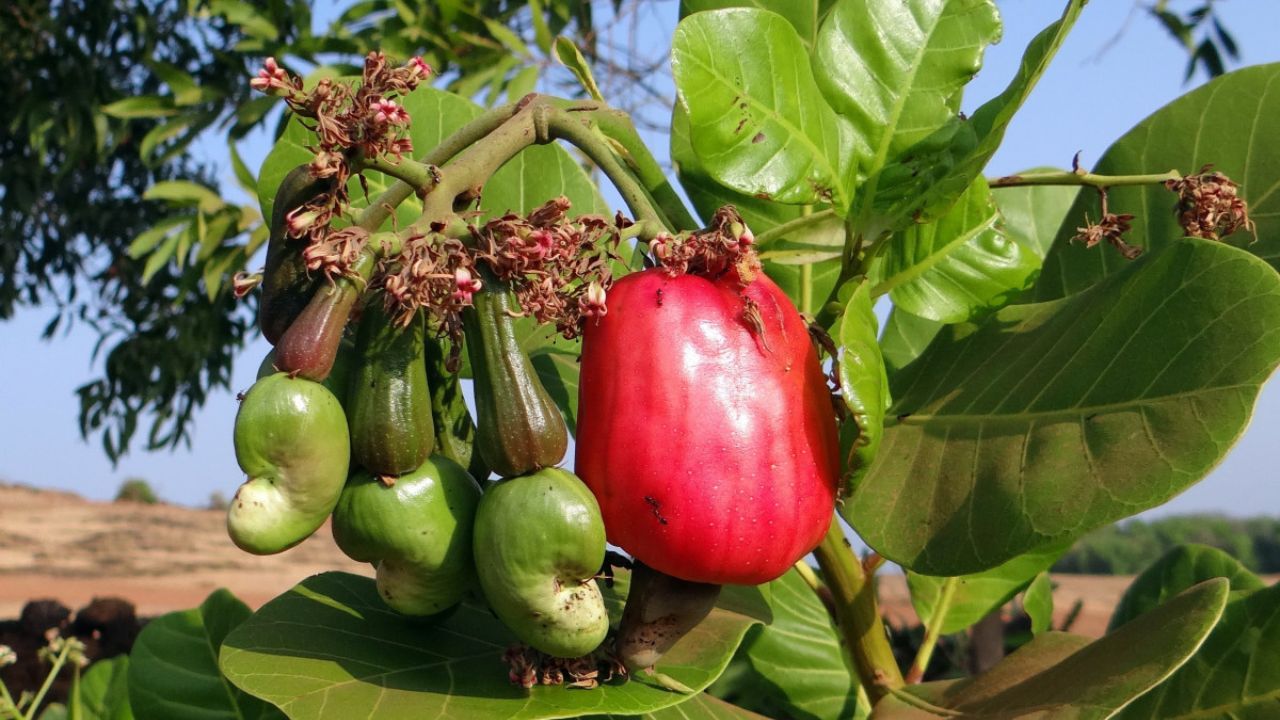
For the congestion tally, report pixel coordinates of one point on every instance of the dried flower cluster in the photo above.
(1209, 205)
(528, 667)
(558, 268)
(349, 122)
(1111, 228)
(727, 243)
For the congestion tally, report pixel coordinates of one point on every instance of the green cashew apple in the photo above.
(291, 439)
(415, 531)
(539, 542)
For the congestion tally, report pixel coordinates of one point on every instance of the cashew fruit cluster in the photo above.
(357, 416)
(706, 442)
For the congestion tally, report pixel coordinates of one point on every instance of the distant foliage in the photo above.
(1129, 547)
(136, 490)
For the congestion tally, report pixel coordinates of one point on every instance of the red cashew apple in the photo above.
(705, 427)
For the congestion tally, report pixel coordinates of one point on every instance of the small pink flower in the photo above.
(419, 68)
(659, 246)
(386, 111)
(270, 77)
(539, 244)
(466, 285)
(592, 302)
(300, 220)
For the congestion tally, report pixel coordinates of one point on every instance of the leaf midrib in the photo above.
(1099, 409)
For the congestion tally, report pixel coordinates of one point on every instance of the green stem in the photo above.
(793, 226)
(566, 127)
(418, 176)
(1068, 177)
(858, 614)
(7, 704)
(58, 662)
(617, 126)
(807, 574)
(921, 662)
(372, 217)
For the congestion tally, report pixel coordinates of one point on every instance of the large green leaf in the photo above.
(864, 386)
(932, 175)
(173, 671)
(1033, 213)
(1175, 571)
(804, 15)
(1058, 675)
(806, 288)
(757, 120)
(958, 266)
(1235, 674)
(976, 595)
(896, 71)
(699, 707)
(534, 176)
(330, 648)
(1052, 419)
(1231, 123)
(904, 338)
(799, 657)
(102, 692)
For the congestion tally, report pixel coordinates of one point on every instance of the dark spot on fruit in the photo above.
(759, 138)
(741, 123)
(656, 507)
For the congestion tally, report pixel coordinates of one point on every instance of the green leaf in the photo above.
(173, 670)
(1051, 419)
(247, 17)
(1058, 675)
(103, 692)
(1228, 122)
(1235, 674)
(905, 337)
(976, 595)
(185, 89)
(141, 106)
(244, 176)
(330, 648)
(804, 15)
(1033, 213)
(760, 215)
(895, 71)
(699, 707)
(160, 133)
(1175, 571)
(934, 175)
(568, 55)
(799, 657)
(185, 192)
(863, 386)
(757, 121)
(148, 239)
(957, 267)
(1037, 602)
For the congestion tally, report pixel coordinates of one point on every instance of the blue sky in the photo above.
(1093, 93)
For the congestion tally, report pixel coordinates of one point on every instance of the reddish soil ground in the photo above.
(161, 557)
